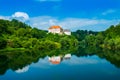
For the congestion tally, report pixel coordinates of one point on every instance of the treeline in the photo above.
(81, 34)
(15, 34)
(109, 39)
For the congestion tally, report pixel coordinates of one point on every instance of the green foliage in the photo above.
(109, 39)
(81, 34)
(112, 38)
(19, 35)
(48, 45)
(4, 26)
(36, 33)
(3, 43)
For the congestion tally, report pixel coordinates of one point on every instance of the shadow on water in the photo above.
(112, 56)
(18, 59)
(15, 60)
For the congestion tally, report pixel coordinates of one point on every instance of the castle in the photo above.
(58, 30)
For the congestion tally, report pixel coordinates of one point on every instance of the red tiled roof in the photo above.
(55, 62)
(54, 27)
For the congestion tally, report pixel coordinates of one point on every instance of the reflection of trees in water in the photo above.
(3, 64)
(87, 51)
(112, 56)
(17, 60)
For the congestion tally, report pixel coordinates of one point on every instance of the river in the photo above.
(79, 65)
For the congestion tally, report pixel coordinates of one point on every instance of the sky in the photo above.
(96, 15)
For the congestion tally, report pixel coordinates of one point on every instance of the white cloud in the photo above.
(49, 0)
(1, 17)
(5, 17)
(42, 63)
(108, 12)
(21, 15)
(24, 69)
(84, 61)
(44, 22)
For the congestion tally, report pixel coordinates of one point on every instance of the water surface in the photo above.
(29, 66)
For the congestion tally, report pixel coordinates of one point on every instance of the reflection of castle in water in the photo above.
(55, 59)
(67, 56)
(58, 59)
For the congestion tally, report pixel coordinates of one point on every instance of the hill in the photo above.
(15, 34)
(108, 39)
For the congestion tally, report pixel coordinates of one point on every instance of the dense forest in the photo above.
(20, 44)
(108, 39)
(81, 34)
(17, 35)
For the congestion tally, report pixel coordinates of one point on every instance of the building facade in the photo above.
(67, 32)
(58, 30)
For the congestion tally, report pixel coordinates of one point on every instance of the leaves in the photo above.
(20, 35)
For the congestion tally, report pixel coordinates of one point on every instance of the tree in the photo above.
(3, 43)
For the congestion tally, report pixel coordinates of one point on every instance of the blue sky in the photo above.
(94, 15)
